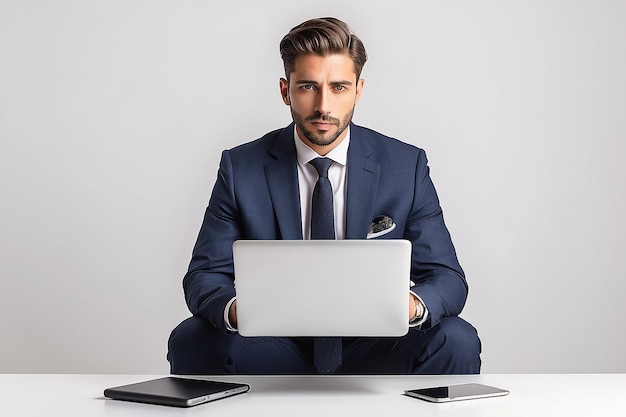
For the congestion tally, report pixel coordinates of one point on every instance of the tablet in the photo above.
(176, 392)
(456, 392)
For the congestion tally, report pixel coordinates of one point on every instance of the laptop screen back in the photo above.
(351, 288)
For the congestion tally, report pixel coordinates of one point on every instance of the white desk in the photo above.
(324, 396)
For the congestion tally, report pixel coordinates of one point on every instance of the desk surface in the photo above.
(302, 396)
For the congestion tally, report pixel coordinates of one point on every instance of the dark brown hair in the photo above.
(322, 36)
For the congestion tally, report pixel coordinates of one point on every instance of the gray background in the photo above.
(113, 115)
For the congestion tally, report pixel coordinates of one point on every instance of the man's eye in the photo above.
(308, 87)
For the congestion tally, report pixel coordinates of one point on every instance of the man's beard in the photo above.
(315, 137)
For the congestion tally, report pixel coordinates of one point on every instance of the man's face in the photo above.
(322, 92)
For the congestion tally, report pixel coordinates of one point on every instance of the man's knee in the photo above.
(184, 336)
(462, 343)
(187, 348)
(453, 347)
(460, 336)
(196, 347)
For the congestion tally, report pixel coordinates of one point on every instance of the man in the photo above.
(264, 191)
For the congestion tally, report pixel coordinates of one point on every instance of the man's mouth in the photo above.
(322, 123)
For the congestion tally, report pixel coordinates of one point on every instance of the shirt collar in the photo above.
(306, 154)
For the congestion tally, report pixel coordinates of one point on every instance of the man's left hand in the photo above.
(415, 308)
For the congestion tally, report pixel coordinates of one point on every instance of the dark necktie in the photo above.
(326, 350)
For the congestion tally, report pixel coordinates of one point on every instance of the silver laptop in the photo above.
(322, 287)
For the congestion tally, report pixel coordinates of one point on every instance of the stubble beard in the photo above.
(319, 138)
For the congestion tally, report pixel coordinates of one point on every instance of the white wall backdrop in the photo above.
(113, 115)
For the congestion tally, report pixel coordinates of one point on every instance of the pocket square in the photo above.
(381, 225)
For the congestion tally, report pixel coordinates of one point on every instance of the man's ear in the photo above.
(359, 89)
(284, 91)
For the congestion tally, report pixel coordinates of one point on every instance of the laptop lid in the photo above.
(351, 288)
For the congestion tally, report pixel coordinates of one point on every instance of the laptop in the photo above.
(317, 288)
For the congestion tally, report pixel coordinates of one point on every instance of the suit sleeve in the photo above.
(435, 270)
(208, 284)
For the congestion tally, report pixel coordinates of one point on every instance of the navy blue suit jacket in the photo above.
(256, 196)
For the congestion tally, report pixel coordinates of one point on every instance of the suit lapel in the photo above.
(282, 182)
(363, 175)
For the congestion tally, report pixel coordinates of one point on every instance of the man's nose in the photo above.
(322, 104)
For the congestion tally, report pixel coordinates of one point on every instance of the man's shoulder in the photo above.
(260, 151)
(381, 142)
(264, 142)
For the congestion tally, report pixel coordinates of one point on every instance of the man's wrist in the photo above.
(422, 315)
(419, 310)
(227, 322)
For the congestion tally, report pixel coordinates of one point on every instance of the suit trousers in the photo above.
(450, 347)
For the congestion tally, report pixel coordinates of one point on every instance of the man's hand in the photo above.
(415, 308)
(232, 314)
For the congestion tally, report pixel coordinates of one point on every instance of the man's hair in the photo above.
(322, 36)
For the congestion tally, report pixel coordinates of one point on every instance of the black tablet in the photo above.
(177, 392)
